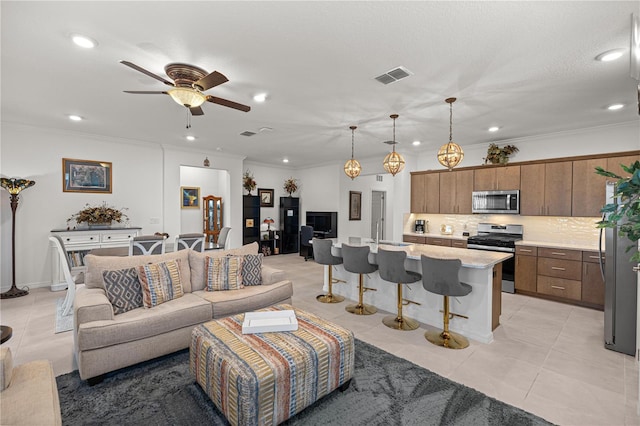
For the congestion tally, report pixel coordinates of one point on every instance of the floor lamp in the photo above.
(14, 186)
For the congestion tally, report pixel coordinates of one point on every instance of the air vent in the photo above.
(379, 178)
(247, 133)
(394, 75)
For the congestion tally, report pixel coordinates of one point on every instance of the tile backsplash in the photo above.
(552, 229)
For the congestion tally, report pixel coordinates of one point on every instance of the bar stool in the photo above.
(391, 268)
(322, 255)
(356, 260)
(440, 276)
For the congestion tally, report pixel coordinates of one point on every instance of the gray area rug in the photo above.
(385, 390)
(63, 322)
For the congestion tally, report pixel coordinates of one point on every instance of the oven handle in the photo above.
(489, 248)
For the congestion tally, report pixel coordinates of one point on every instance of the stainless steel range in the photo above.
(503, 238)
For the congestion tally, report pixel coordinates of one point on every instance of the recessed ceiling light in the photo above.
(416, 143)
(494, 128)
(84, 41)
(75, 118)
(261, 97)
(191, 138)
(285, 160)
(615, 107)
(610, 55)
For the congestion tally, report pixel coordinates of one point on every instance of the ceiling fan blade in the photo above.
(149, 73)
(212, 80)
(227, 103)
(146, 92)
(196, 111)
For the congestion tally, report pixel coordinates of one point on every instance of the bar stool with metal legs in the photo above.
(440, 276)
(391, 268)
(322, 255)
(356, 260)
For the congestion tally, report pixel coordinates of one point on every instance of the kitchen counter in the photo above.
(560, 245)
(437, 235)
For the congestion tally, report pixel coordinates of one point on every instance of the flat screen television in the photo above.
(324, 224)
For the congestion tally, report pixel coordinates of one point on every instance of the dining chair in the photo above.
(147, 244)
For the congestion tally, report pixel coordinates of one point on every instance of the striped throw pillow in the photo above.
(223, 273)
(160, 282)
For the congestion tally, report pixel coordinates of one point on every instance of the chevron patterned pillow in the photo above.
(252, 269)
(123, 289)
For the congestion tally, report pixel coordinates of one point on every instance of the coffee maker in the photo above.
(419, 226)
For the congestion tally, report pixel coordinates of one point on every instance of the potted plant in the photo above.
(626, 214)
(497, 155)
(98, 216)
(290, 185)
(248, 182)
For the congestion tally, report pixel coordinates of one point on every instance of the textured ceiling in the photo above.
(527, 67)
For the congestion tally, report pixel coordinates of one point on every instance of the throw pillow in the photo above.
(252, 269)
(123, 289)
(160, 282)
(223, 273)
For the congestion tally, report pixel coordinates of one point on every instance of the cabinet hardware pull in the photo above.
(594, 257)
(636, 268)
(557, 287)
(558, 254)
(526, 250)
(557, 268)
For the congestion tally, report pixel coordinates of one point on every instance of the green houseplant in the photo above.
(626, 215)
(497, 155)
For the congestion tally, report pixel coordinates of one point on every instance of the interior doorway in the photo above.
(378, 214)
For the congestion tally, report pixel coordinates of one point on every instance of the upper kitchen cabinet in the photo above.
(455, 191)
(545, 189)
(496, 178)
(613, 164)
(425, 193)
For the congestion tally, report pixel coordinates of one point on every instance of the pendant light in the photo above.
(352, 167)
(450, 154)
(393, 163)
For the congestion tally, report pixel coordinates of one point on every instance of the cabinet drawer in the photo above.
(568, 269)
(591, 256)
(459, 243)
(527, 250)
(414, 239)
(569, 289)
(70, 240)
(560, 253)
(118, 238)
(439, 241)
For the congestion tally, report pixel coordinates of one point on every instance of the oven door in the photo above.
(508, 266)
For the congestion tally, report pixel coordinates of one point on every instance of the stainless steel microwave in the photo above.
(499, 202)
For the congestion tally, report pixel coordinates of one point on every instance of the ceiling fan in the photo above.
(188, 84)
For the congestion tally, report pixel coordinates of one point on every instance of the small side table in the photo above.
(6, 333)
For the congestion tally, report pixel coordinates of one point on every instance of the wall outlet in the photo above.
(154, 220)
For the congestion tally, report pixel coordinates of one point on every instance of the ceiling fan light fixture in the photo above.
(352, 167)
(187, 97)
(394, 162)
(450, 154)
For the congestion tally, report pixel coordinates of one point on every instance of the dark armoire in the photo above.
(289, 224)
(250, 219)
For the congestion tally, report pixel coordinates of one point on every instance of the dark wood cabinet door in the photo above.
(507, 178)
(592, 284)
(588, 193)
(485, 179)
(526, 271)
(432, 186)
(448, 192)
(558, 180)
(532, 190)
(418, 193)
(464, 188)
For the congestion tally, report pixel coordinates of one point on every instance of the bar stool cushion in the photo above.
(356, 259)
(440, 276)
(322, 252)
(391, 267)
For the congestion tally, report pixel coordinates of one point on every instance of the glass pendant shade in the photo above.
(393, 163)
(352, 167)
(450, 155)
(14, 186)
(187, 97)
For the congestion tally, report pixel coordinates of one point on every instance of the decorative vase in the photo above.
(99, 225)
(503, 160)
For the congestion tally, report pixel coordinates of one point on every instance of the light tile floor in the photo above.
(547, 358)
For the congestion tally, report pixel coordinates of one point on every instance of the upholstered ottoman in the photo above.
(265, 378)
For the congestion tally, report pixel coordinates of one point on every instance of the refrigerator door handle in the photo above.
(600, 251)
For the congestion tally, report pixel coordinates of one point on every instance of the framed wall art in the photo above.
(266, 197)
(190, 197)
(86, 176)
(355, 205)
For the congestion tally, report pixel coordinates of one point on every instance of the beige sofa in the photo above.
(105, 342)
(29, 394)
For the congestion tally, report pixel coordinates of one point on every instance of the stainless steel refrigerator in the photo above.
(620, 295)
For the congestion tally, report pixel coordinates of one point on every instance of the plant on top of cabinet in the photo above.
(497, 155)
(628, 189)
(290, 185)
(248, 182)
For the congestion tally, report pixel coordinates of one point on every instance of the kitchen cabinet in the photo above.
(455, 191)
(526, 269)
(500, 178)
(415, 239)
(545, 189)
(592, 283)
(560, 273)
(459, 243)
(445, 242)
(425, 193)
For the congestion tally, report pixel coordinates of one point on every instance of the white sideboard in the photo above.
(78, 243)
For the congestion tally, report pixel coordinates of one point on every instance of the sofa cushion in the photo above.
(224, 273)
(123, 289)
(6, 367)
(160, 282)
(252, 269)
(197, 262)
(96, 265)
(140, 323)
(225, 303)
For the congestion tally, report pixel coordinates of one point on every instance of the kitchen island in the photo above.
(480, 269)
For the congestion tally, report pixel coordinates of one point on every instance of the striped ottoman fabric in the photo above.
(265, 378)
